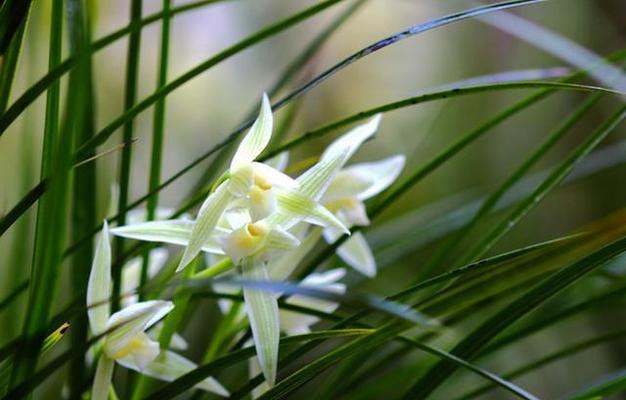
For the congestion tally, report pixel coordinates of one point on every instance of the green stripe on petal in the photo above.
(99, 285)
(280, 240)
(262, 309)
(203, 229)
(174, 231)
(102, 378)
(301, 207)
(256, 139)
(315, 181)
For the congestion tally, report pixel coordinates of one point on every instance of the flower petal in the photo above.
(383, 173)
(261, 203)
(237, 217)
(178, 342)
(127, 323)
(279, 161)
(99, 285)
(280, 240)
(241, 180)
(273, 176)
(315, 181)
(173, 231)
(354, 213)
(257, 137)
(357, 253)
(102, 378)
(141, 351)
(352, 140)
(204, 227)
(169, 366)
(262, 309)
(301, 207)
(245, 241)
(346, 186)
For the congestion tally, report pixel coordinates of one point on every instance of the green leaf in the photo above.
(13, 14)
(473, 343)
(548, 184)
(548, 359)
(188, 380)
(492, 200)
(612, 384)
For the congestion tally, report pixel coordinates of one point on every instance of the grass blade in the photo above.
(13, 14)
(50, 215)
(130, 96)
(157, 132)
(83, 213)
(472, 344)
(549, 358)
(8, 66)
(492, 200)
(53, 75)
(547, 185)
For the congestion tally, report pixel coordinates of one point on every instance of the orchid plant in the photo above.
(257, 216)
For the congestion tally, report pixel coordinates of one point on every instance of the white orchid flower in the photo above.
(272, 204)
(345, 197)
(261, 188)
(124, 338)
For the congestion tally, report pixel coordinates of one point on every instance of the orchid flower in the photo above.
(248, 218)
(259, 187)
(345, 196)
(124, 339)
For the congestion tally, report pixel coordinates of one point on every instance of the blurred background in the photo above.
(208, 108)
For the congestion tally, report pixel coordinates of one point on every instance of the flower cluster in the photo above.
(261, 221)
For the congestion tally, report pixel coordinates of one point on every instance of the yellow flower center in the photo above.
(247, 240)
(135, 344)
(257, 229)
(261, 182)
